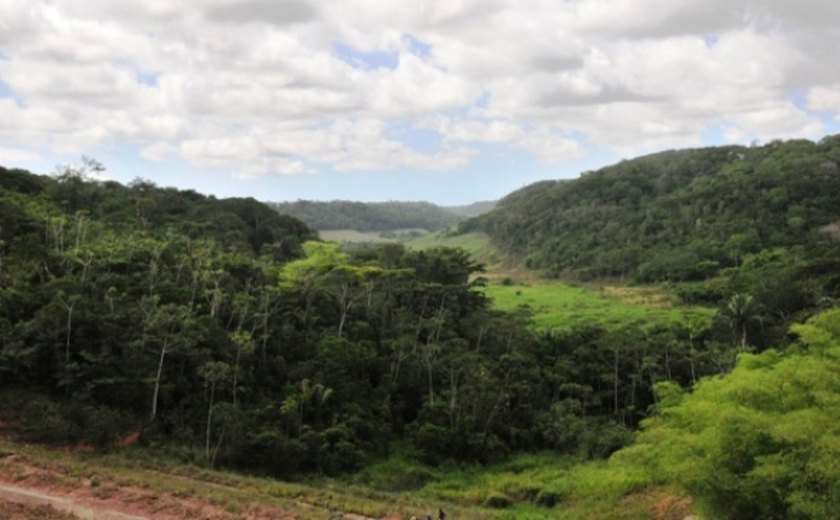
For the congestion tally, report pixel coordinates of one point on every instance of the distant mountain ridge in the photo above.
(675, 215)
(379, 216)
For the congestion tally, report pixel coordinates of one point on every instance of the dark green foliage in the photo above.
(214, 325)
(718, 222)
(678, 215)
(46, 419)
(371, 216)
(498, 502)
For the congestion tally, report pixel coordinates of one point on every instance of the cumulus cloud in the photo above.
(17, 156)
(258, 87)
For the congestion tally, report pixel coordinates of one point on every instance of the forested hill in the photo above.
(378, 216)
(70, 214)
(676, 215)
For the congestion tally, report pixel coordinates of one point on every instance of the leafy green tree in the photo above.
(739, 311)
(213, 373)
(759, 442)
(173, 329)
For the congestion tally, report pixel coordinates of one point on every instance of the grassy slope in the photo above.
(476, 244)
(558, 305)
(536, 486)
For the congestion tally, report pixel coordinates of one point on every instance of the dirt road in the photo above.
(36, 500)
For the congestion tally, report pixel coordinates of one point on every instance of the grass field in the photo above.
(476, 244)
(557, 305)
(534, 486)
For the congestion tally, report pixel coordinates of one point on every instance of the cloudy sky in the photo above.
(450, 101)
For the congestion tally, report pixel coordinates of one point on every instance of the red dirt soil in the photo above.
(18, 471)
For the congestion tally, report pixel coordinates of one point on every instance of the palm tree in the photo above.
(740, 310)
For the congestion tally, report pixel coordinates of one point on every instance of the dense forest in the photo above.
(378, 216)
(677, 215)
(216, 324)
(231, 336)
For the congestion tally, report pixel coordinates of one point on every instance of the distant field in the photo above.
(558, 306)
(377, 237)
(476, 244)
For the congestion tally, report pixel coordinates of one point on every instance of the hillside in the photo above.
(217, 334)
(378, 216)
(677, 215)
(217, 329)
(472, 210)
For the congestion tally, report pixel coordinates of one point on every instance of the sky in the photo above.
(448, 101)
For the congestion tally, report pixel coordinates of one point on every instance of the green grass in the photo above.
(476, 244)
(532, 486)
(559, 306)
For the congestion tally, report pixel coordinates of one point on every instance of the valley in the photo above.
(494, 368)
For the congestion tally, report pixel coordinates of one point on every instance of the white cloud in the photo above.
(824, 98)
(17, 156)
(255, 87)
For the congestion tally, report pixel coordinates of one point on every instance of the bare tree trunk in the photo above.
(209, 422)
(69, 330)
(453, 397)
(431, 387)
(691, 358)
(744, 335)
(615, 381)
(157, 381)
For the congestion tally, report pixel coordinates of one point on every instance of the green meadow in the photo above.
(556, 305)
(476, 244)
(532, 486)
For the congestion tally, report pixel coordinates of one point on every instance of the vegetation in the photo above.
(350, 239)
(535, 486)
(472, 210)
(760, 442)
(214, 324)
(227, 335)
(377, 216)
(476, 244)
(678, 215)
(559, 306)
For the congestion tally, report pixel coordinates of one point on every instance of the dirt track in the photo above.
(35, 500)
(33, 484)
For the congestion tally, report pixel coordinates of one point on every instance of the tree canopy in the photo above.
(676, 215)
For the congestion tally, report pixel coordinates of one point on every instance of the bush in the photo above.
(498, 502)
(41, 418)
(702, 293)
(548, 498)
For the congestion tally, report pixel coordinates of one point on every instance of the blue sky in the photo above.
(366, 100)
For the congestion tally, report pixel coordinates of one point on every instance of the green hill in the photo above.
(676, 215)
(378, 216)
